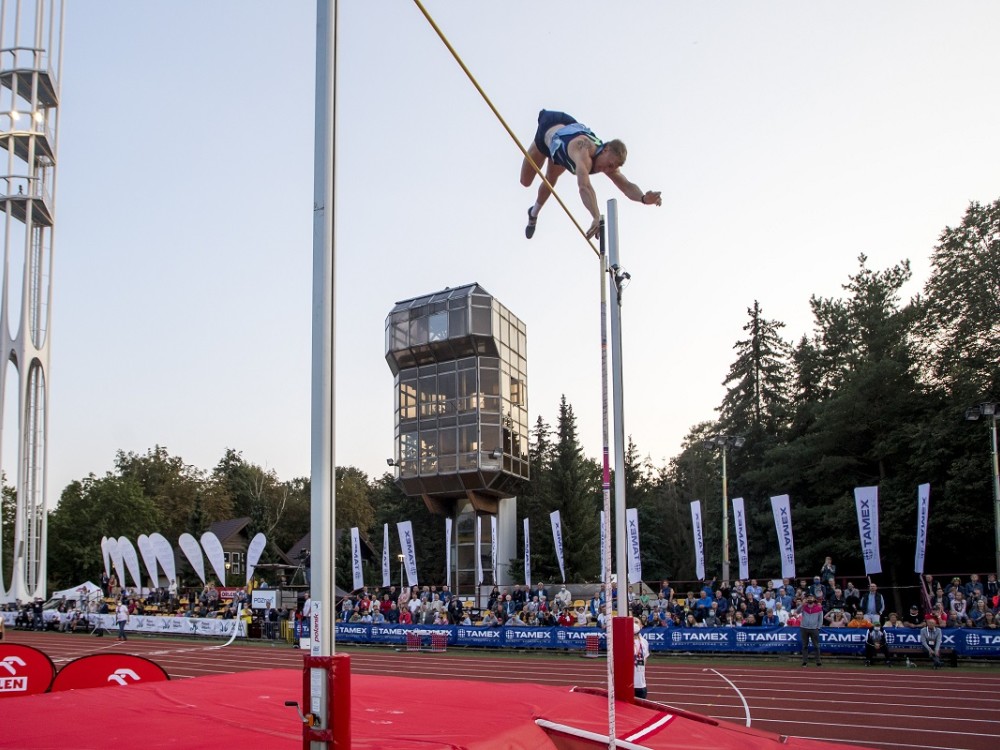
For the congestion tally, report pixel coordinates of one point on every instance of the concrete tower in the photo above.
(30, 65)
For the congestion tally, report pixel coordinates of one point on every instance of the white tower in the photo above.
(30, 66)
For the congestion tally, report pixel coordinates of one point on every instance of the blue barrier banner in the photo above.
(687, 640)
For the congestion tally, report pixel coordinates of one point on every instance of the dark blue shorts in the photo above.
(546, 120)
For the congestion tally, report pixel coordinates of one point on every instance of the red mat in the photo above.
(398, 713)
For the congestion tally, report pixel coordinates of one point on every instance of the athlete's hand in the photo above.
(651, 198)
(595, 228)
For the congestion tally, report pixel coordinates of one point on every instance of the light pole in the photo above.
(725, 442)
(400, 558)
(973, 413)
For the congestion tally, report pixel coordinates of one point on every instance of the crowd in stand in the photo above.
(968, 604)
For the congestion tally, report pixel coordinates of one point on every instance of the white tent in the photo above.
(87, 591)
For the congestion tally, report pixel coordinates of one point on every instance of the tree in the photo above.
(87, 510)
(177, 489)
(8, 517)
(961, 326)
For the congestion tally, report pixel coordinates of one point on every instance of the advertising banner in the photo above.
(25, 670)
(479, 550)
(866, 504)
(356, 571)
(254, 551)
(264, 598)
(405, 529)
(164, 556)
(558, 540)
(192, 551)
(782, 509)
(447, 551)
(386, 570)
(527, 555)
(216, 557)
(131, 561)
(108, 670)
(148, 557)
(742, 546)
(493, 548)
(634, 556)
(105, 554)
(699, 540)
(923, 510)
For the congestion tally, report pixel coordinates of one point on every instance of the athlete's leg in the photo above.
(527, 171)
(552, 174)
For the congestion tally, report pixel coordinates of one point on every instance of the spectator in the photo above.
(828, 573)
(405, 618)
(811, 618)
(754, 589)
(852, 597)
(978, 613)
(893, 621)
(121, 618)
(565, 619)
(668, 592)
(564, 598)
(913, 619)
(974, 587)
(992, 590)
(392, 616)
(859, 621)
(930, 639)
(990, 621)
(872, 604)
(836, 618)
(445, 595)
(876, 645)
(541, 592)
(959, 606)
(490, 620)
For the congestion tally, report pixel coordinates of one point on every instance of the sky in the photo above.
(787, 139)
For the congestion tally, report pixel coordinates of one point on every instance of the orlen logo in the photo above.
(24, 670)
(108, 670)
(12, 682)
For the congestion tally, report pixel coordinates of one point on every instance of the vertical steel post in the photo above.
(996, 493)
(725, 516)
(616, 379)
(323, 461)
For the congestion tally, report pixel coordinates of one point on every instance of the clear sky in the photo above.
(787, 138)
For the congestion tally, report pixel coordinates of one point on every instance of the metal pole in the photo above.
(322, 459)
(606, 492)
(996, 494)
(616, 386)
(725, 519)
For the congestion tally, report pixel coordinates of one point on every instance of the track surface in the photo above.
(879, 707)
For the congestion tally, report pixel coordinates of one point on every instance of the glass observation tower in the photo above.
(459, 358)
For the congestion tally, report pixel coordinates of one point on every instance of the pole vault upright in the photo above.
(326, 677)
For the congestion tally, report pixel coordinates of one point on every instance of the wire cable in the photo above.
(503, 122)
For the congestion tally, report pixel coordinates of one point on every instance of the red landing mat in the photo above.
(387, 712)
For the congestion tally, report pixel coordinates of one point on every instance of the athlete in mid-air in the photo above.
(568, 144)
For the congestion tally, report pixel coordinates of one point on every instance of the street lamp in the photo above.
(725, 442)
(400, 558)
(973, 413)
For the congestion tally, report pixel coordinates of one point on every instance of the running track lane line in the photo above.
(746, 708)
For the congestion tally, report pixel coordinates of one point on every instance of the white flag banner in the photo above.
(699, 540)
(254, 551)
(634, 556)
(866, 503)
(192, 551)
(557, 538)
(527, 555)
(216, 557)
(131, 561)
(405, 529)
(923, 510)
(106, 555)
(165, 556)
(742, 547)
(493, 548)
(447, 551)
(479, 550)
(386, 570)
(781, 507)
(357, 573)
(604, 541)
(148, 557)
(117, 562)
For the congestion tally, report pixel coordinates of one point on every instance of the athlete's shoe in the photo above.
(529, 231)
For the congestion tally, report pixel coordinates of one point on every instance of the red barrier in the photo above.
(624, 667)
(439, 642)
(593, 646)
(338, 693)
(413, 641)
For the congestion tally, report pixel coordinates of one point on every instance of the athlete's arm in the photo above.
(581, 151)
(633, 191)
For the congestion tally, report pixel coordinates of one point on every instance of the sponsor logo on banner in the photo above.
(355, 630)
(826, 637)
(24, 670)
(763, 636)
(108, 670)
(264, 598)
(701, 636)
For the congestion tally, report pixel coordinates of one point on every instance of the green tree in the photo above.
(89, 509)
